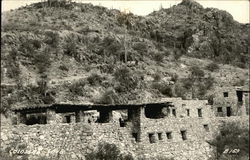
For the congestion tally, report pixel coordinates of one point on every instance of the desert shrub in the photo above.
(77, 88)
(106, 151)
(157, 77)
(164, 89)
(13, 71)
(27, 48)
(158, 57)
(63, 67)
(196, 72)
(95, 79)
(127, 81)
(70, 48)
(52, 39)
(231, 136)
(174, 77)
(140, 47)
(212, 67)
(48, 99)
(177, 54)
(109, 97)
(180, 90)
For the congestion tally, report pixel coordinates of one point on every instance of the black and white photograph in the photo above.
(125, 80)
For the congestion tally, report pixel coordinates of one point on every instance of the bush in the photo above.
(158, 57)
(164, 89)
(109, 97)
(77, 88)
(213, 67)
(127, 81)
(231, 136)
(177, 54)
(157, 77)
(196, 72)
(63, 67)
(70, 48)
(95, 79)
(106, 151)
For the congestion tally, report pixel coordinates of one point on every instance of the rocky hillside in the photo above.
(80, 53)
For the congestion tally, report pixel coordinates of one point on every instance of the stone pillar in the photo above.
(73, 118)
(79, 116)
(21, 118)
(85, 117)
(105, 116)
(51, 116)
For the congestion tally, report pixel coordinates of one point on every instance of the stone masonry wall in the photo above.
(73, 141)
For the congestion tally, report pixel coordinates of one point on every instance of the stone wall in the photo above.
(73, 141)
(230, 100)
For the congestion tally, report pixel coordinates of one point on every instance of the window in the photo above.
(188, 112)
(199, 112)
(67, 119)
(174, 112)
(160, 136)
(225, 94)
(206, 127)
(135, 136)
(219, 109)
(151, 138)
(169, 135)
(184, 135)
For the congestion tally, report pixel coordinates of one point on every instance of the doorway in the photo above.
(229, 111)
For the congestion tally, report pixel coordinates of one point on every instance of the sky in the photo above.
(239, 9)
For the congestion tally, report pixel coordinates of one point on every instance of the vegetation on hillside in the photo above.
(232, 142)
(89, 53)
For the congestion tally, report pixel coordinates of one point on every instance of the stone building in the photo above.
(172, 127)
(231, 101)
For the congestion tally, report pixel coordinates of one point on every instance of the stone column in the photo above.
(79, 116)
(51, 116)
(73, 118)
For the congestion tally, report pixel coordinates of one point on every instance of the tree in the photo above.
(231, 136)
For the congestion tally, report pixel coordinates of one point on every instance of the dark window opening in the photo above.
(229, 111)
(174, 112)
(152, 138)
(225, 94)
(122, 122)
(239, 95)
(206, 127)
(199, 113)
(160, 136)
(184, 135)
(155, 112)
(36, 119)
(67, 119)
(188, 112)
(135, 136)
(219, 109)
(169, 135)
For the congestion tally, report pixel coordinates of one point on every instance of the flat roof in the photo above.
(69, 106)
